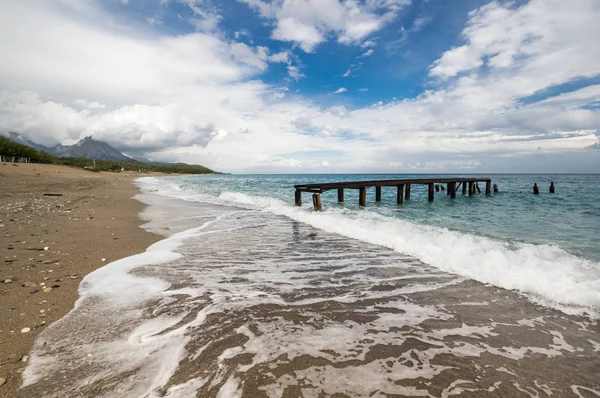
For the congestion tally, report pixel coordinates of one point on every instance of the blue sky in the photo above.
(311, 85)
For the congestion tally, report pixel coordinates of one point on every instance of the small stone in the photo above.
(25, 330)
(46, 248)
(148, 315)
(7, 281)
(103, 259)
(25, 359)
(2, 381)
(14, 358)
(47, 290)
(29, 284)
(160, 392)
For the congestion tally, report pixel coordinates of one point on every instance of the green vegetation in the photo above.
(11, 148)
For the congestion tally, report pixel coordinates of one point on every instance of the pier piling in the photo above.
(407, 192)
(340, 195)
(431, 191)
(362, 197)
(495, 188)
(536, 189)
(464, 188)
(317, 201)
(400, 197)
(552, 187)
(437, 187)
(452, 190)
(298, 197)
(471, 188)
(488, 187)
(377, 194)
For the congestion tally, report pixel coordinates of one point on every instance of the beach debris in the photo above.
(148, 315)
(46, 248)
(2, 381)
(14, 358)
(53, 194)
(160, 392)
(25, 330)
(47, 290)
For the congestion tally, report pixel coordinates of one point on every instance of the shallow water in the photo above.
(253, 302)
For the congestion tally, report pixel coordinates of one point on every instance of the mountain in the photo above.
(85, 148)
(21, 139)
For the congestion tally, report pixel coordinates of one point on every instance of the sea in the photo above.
(249, 295)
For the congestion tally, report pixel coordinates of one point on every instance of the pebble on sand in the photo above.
(47, 290)
(25, 330)
(2, 381)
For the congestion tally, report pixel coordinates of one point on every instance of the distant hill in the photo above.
(13, 151)
(86, 148)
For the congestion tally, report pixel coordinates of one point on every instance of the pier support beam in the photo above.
(536, 189)
(362, 197)
(400, 197)
(377, 194)
(488, 187)
(431, 192)
(452, 190)
(495, 188)
(341, 195)
(477, 186)
(298, 197)
(317, 201)
(448, 188)
(407, 192)
(464, 188)
(552, 187)
(471, 188)
(437, 187)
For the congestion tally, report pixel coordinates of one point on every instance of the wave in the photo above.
(546, 274)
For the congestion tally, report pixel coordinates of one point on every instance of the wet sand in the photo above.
(50, 242)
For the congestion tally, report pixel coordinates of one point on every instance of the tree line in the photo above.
(11, 148)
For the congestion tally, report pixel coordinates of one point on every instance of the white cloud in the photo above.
(309, 23)
(367, 53)
(198, 98)
(340, 90)
(368, 43)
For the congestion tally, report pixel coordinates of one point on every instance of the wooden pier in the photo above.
(469, 186)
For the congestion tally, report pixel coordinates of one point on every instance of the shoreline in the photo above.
(51, 242)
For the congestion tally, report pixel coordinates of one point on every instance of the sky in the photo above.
(311, 86)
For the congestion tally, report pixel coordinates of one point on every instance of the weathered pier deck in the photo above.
(453, 184)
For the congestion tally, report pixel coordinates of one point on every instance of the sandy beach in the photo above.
(50, 242)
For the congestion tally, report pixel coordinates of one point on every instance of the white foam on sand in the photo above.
(547, 274)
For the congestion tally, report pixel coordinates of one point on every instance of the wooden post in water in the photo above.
(377, 194)
(495, 188)
(452, 190)
(471, 188)
(464, 186)
(362, 197)
(536, 189)
(298, 197)
(488, 187)
(431, 191)
(448, 188)
(477, 186)
(552, 187)
(317, 201)
(437, 187)
(407, 192)
(400, 197)
(341, 195)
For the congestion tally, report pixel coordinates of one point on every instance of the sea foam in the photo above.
(546, 274)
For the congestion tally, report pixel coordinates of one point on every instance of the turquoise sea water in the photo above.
(569, 219)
